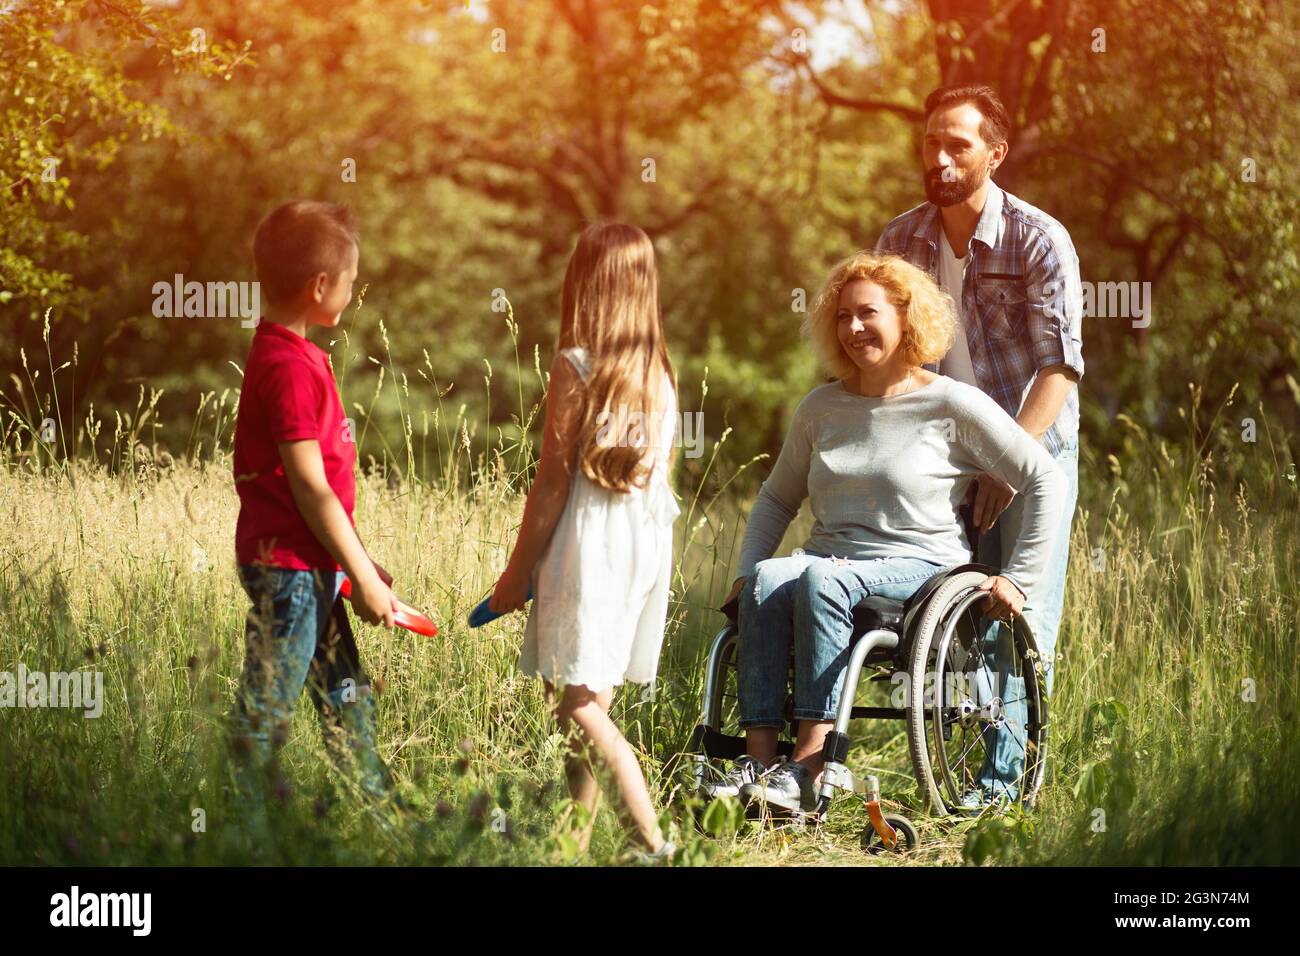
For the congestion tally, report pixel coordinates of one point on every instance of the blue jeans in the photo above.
(1005, 747)
(297, 634)
(807, 600)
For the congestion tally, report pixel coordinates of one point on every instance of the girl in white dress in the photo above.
(596, 539)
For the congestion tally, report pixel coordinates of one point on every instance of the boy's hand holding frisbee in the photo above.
(399, 613)
(372, 600)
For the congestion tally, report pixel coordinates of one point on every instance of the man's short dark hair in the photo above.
(299, 240)
(996, 124)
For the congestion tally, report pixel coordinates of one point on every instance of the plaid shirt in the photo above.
(1021, 298)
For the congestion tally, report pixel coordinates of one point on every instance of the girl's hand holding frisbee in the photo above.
(511, 593)
(484, 613)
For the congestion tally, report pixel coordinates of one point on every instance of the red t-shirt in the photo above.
(289, 394)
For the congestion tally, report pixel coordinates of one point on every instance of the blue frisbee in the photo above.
(483, 614)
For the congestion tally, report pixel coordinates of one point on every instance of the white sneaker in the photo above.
(744, 771)
(787, 785)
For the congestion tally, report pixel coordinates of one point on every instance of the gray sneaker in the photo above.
(745, 770)
(787, 785)
(980, 799)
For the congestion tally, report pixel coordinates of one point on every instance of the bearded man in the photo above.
(1013, 274)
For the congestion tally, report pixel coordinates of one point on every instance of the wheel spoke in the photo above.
(975, 739)
(967, 774)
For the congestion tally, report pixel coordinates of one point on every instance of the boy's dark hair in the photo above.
(996, 125)
(299, 240)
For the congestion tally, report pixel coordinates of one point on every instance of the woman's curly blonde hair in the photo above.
(928, 316)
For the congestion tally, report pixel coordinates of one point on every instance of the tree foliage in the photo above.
(484, 135)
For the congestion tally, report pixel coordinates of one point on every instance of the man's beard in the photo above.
(950, 194)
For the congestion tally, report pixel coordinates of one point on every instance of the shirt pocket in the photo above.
(1003, 305)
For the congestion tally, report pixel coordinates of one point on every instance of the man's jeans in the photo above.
(298, 634)
(807, 600)
(1005, 748)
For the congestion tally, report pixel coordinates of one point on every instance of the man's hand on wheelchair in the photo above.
(992, 495)
(1005, 600)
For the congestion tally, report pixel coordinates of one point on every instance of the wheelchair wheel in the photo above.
(976, 707)
(908, 836)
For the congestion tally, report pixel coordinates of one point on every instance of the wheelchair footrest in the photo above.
(716, 745)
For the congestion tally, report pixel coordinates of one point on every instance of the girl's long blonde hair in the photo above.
(610, 307)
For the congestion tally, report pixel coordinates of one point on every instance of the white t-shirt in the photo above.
(956, 364)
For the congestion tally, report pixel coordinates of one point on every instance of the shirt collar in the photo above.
(986, 230)
(277, 332)
(927, 227)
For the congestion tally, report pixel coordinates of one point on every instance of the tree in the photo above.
(1152, 131)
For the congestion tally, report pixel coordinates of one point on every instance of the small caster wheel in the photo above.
(908, 838)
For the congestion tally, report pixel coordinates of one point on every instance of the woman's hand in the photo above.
(511, 592)
(1005, 600)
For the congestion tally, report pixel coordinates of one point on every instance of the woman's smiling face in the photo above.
(868, 325)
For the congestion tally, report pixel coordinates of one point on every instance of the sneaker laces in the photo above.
(785, 769)
(746, 770)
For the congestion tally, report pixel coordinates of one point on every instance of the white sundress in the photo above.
(600, 589)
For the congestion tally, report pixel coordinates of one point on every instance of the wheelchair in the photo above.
(934, 647)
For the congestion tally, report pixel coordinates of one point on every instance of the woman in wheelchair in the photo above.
(886, 452)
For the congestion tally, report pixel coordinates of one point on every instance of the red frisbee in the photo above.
(406, 616)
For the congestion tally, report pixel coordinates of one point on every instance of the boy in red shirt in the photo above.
(295, 539)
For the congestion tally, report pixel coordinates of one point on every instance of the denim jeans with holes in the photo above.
(806, 601)
(298, 635)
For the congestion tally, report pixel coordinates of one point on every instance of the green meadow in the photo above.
(1172, 720)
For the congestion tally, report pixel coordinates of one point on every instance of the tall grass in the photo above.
(1171, 721)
